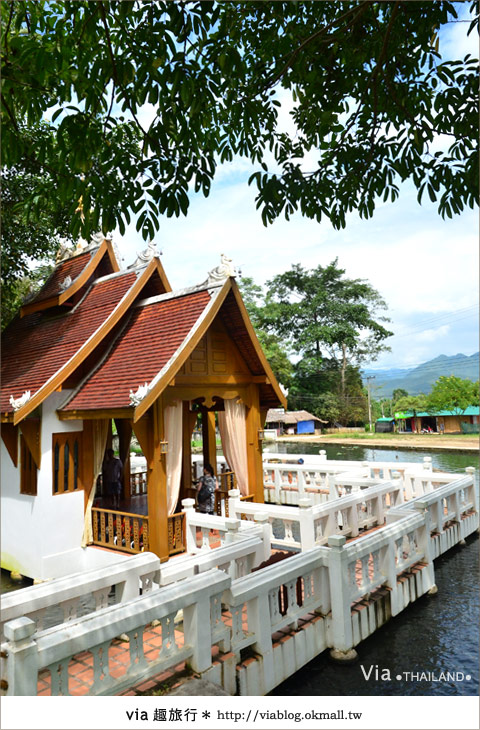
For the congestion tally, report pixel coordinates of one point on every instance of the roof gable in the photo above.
(41, 350)
(160, 335)
(71, 275)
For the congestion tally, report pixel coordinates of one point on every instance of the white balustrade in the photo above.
(128, 577)
(227, 529)
(275, 598)
(199, 599)
(236, 559)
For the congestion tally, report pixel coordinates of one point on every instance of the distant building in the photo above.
(439, 422)
(385, 425)
(292, 422)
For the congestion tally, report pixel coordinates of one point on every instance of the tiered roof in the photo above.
(106, 335)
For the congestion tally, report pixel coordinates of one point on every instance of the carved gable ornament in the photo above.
(137, 396)
(17, 403)
(222, 272)
(145, 256)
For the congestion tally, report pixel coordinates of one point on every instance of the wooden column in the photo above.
(124, 430)
(209, 438)
(157, 488)
(10, 439)
(254, 446)
(87, 461)
(188, 424)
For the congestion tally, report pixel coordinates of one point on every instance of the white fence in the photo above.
(235, 609)
(306, 526)
(70, 595)
(199, 599)
(321, 480)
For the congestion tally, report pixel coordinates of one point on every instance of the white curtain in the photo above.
(100, 432)
(232, 426)
(174, 436)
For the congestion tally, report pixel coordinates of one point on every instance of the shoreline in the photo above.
(420, 443)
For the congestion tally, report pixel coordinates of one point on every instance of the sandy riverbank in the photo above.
(387, 441)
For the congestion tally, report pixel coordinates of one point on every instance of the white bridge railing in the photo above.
(199, 599)
(233, 609)
(70, 595)
(321, 480)
(306, 526)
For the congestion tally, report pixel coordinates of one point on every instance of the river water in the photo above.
(435, 635)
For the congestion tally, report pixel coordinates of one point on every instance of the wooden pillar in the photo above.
(149, 431)
(188, 424)
(124, 430)
(87, 460)
(254, 446)
(157, 488)
(209, 438)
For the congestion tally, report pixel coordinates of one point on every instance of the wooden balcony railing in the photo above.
(120, 530)
(176, 533)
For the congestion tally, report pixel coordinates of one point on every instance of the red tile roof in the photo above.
(36, 346)
(72, 267)
(153, 334)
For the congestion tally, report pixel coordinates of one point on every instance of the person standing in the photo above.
(206, 487)
(112, 475)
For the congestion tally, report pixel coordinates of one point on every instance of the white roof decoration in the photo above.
(139, 395)
(145, 256)
(66, 283)
(66, 251)
(222, 272)
(17, 403)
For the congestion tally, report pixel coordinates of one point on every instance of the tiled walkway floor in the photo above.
(81, 671)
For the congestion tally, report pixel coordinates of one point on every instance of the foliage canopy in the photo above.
(364, 81)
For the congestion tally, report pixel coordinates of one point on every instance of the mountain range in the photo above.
(421, 378)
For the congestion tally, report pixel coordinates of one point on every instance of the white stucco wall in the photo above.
(41, 535)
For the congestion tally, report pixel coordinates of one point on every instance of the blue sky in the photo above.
(425, 268)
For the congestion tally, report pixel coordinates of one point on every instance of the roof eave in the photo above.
(56, 380)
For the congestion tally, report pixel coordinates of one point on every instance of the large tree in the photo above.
(452, 394)
(321, 314)
(275, 352)
(364, 81)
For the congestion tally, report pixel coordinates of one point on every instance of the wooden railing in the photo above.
(176, 533)
(226, 480)
(120, 530)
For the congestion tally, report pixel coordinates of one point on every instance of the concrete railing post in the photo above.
(198, 633)
(342, 634)
(22, 659)
(427, 463)
(426, 545)
(263, 521)
(233, 526)
(397, 481)
(323, 455)
(233, 502)
(301, 483)
(259, 622)
(277, 482)
(190, 529)
(366, 469)
(307, 530)
(470, 470)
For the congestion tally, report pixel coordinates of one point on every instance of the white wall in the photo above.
(41, 535)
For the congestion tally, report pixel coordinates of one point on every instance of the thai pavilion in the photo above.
(99, 346)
